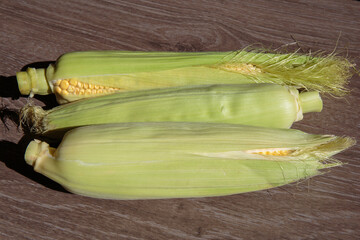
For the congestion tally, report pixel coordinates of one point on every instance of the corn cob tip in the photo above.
(33, 81)
(32, 119)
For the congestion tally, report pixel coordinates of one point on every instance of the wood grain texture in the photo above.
(36, 31)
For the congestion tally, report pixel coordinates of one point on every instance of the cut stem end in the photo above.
(310, 102)
(34, 150)
(33, 81)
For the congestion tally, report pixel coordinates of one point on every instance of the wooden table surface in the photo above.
(34, 207)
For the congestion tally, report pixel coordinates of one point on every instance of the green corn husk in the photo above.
(267, 105)
(178, 160)
(127, 71)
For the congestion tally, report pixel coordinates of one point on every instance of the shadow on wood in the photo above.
(13, 157)
(9, 114)
(9, 87)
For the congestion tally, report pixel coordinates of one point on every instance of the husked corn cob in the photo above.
(267, 105)
(80, 75)
(178, 160)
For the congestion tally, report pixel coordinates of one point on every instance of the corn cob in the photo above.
(267, 105)
(177, 160)
(80, 75)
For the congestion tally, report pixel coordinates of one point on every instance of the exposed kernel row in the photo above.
(272, 152)
(244, 68)
(73, 86)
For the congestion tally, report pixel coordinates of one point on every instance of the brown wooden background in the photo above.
(33, 207)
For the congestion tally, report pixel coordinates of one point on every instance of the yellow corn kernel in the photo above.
(64, 84)
(73, 82)
(57, 83)
(71, 89)
(57, 90)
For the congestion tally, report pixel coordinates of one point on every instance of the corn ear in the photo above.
(80, 75)
(178, 160)
(267, 105)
